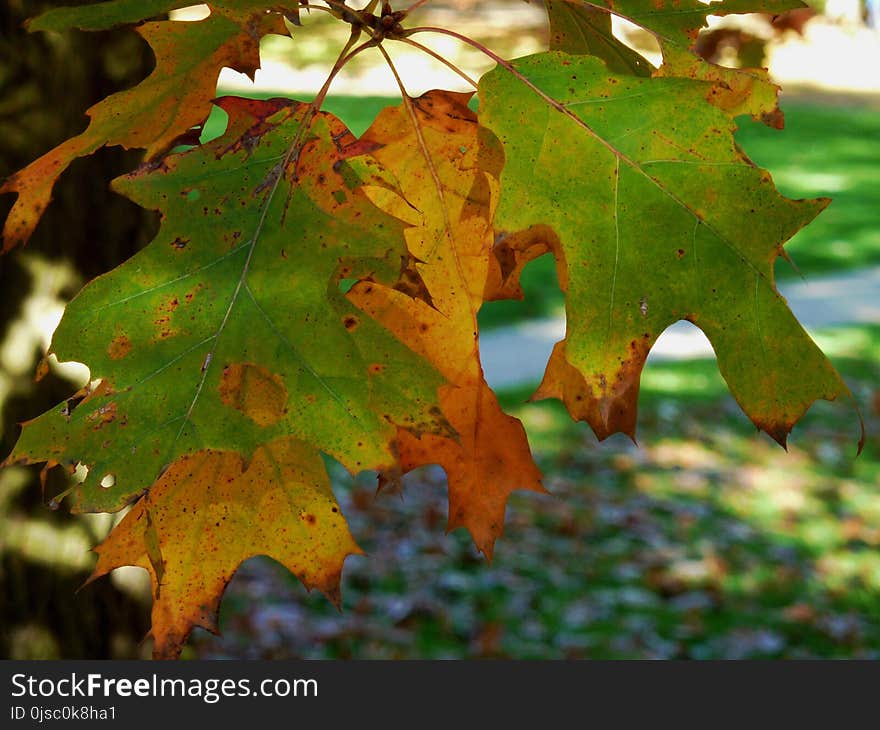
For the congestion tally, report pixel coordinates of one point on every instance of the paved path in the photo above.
(517, 355)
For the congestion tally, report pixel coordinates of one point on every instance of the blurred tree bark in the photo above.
(47, 81)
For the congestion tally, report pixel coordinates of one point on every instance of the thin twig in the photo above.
(414, 6)
(322, 8)
(471, 42)
(435, 176)
(342, 60)
(438, 57)
(509, 67)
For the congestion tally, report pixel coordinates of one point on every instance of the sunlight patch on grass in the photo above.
(808, 181)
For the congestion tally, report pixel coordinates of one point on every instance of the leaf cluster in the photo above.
(234, 351)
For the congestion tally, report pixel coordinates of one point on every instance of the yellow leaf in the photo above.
(447, 169)
(209, 512)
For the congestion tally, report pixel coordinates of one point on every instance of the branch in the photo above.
(438, 57)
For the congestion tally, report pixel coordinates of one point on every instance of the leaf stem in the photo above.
(414, 6)
(344, 57)
(322, 8)
(557, 105)
(438, 57)
(507, 65)
(432, 168)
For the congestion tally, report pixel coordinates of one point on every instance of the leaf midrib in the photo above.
(241, 283)
(563, 109)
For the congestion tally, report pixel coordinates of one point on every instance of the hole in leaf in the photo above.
(80, 472)
(542, 297)
(108, 481)
(191, 13)
(215, 125)
(638, 39)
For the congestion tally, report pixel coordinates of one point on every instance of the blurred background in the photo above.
(705, 541)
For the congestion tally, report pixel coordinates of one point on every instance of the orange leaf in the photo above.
(154, 114)
(447, 169)
(279, 505)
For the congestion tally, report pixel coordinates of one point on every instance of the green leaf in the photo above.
(585, 29)
(100, 16)
(675, 25)
(676, 22)
(654, 216)
(229, 330)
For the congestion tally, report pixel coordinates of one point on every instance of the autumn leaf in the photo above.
(584, 27)
(153, 115)
(102, 15)
(310, 294)
(653, 217)
(447, 169)
(229, 330)
(211, 511)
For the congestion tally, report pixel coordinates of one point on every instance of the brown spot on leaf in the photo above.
(351, 322)
(774, 119)
(100, 417)
(189, 296)
(163, 323)
(257, 393)
(119, 347)
(411, 282)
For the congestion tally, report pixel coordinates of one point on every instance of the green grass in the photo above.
(831, 151)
